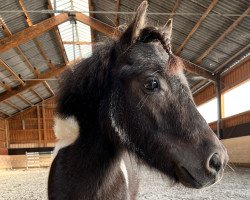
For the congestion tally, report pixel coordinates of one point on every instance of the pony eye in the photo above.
(152, 85)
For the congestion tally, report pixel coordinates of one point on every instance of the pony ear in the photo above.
(133, 30)
(167, 31)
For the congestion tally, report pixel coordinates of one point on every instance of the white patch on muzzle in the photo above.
(66, 130)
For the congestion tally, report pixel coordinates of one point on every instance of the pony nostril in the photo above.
(215, 163)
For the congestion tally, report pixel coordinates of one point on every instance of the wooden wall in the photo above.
(3, 137)
(238, 150)
(33, 127)
(2, 134)
(229, 80)
(241, 118)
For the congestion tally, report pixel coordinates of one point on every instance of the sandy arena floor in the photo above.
(31, 185)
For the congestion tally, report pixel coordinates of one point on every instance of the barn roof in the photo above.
(37, 43)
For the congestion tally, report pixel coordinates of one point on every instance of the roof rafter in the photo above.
(7, 33)
(91, 8)
(97, 25)
(38, 95)
(58, 36)
(8, 68)
(50, 23)
(4, 113)
(210, 7)
(48, 88)
(198, 85)
(78, 42)
(117, 9)
(5, 86)
(219, 69)
(223, 36)
(36, 41)
(176, 5)
(24, 99)
(32, 31)
(193, 68)
(29, 84)
(12, 105)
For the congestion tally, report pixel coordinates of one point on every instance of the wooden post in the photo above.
(44, 126)
(219, 120)
(39, 126)
(7, 138)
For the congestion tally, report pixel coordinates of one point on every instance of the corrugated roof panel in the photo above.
(31, 97)
(53, 84)
(228, 47)
(209, 64)
(37, 5)
(7, 109)
(15, 21)
(15, 62)
(2, 89)
(8, 78)
(2, 35)
(62, 5)
(51, 47)
(32, 53)
(42, 91)
(232, 7)
(18, 102)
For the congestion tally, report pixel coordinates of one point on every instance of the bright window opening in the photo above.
(237, 100)
(209, 110)
(76, 37)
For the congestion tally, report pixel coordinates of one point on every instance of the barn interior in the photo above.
(39, 39)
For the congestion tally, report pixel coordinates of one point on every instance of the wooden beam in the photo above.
(33, 69)
(8, 68)
(78, 43)
(32, 32)
(91, 8)
(24, 99)
(39, 125)
(44, 126)
(29, 84)
(221, 68)
(176, 5)
(6, 123)
(8, 33)
(198, 85)
(117, 8)
(222, 36)
(58, 36)
(5, 86)
(28, 20)
(4, 113)
(210, 7)
(38, 95)
(36, 41)
(198, 71)
(43, 53)
(12, 105)
(96, 25)
(49, 88)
